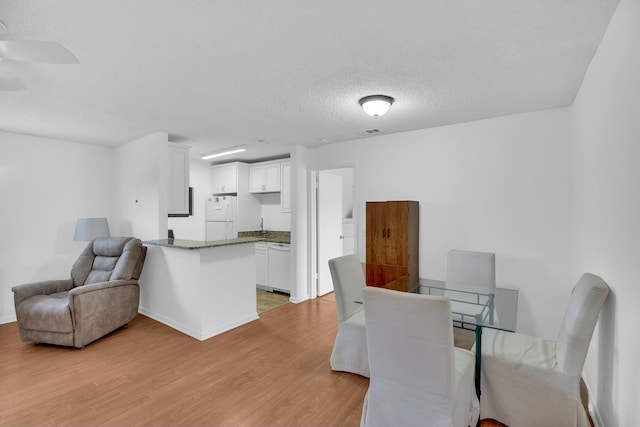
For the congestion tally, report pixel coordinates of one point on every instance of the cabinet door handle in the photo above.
(388, 233)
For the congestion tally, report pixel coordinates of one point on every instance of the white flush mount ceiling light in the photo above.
(376, 105)
(226, 152)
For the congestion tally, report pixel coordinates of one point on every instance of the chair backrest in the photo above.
(411, 357)
(473, 271)
(109, 258)
(579, 321)
(348, 281)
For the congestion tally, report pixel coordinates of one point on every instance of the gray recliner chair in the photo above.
(101, 295)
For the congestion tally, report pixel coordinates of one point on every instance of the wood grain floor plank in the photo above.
(271, 372)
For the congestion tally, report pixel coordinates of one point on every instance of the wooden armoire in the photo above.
(392, 242)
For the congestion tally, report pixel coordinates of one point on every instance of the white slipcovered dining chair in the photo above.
(418, 378)
(531, 381)
(350, 347)
(474, 272)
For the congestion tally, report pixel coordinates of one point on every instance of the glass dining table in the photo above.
(471, 309)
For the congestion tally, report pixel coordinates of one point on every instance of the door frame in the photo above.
(313, 217)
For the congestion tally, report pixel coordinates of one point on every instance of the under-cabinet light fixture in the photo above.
(233, 150)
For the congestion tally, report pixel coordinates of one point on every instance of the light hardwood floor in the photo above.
(270, 372)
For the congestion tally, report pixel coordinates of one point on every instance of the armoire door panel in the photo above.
(397, 233)
(392, 241)
(376, 232)
(382, 274)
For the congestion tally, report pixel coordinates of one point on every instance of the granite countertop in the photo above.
(199, 244)
(268, 236)
(243, 237)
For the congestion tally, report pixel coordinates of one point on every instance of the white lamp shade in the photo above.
(376, 105)
(88, 229)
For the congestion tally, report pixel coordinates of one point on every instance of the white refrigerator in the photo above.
(222, 219)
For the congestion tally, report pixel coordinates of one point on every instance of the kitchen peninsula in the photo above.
(200, 288)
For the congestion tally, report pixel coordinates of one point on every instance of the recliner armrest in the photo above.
(100, 308)
(45, 287)
(99, 290)
(77, 291)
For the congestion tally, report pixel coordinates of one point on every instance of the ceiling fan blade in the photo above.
(37, 51)
(10, 82)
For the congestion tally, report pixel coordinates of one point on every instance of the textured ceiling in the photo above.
(268, 74)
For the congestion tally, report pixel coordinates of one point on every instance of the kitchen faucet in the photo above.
(261, 225)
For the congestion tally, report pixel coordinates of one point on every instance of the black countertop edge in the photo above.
(199, 244)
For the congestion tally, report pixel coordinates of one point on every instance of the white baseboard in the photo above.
(199, 335)
(170, 322)
(8, 319)
(228, 326)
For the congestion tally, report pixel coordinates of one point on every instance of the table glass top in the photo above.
(470, 306)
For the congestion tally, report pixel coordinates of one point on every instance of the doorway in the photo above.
(334, 223)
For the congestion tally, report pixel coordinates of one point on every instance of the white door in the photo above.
(329, 226)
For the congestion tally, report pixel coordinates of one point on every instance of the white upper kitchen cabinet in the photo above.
(224, 177)
(178, 189)
(264, 177)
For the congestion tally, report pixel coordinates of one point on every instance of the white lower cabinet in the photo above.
(262, 264)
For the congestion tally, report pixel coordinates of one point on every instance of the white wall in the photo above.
(194, 227)
(606, 179)
(347, 190)
(300, 233)
(271, 212)
(499, 185)
(45, 185)
(141, 175)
